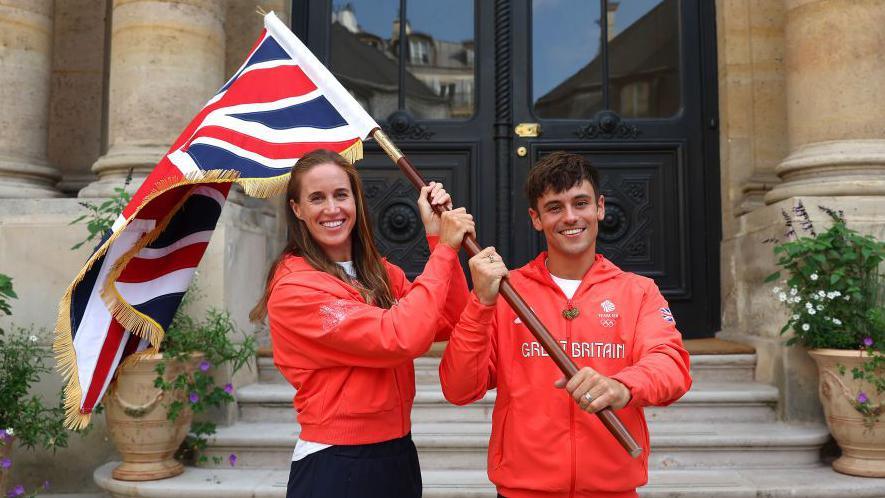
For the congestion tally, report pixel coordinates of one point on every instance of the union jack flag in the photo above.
(667, 315)
(279, 105)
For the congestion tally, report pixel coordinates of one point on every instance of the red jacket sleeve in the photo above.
(456, 299)
(469, 364)
(329, 329)
(659, 374)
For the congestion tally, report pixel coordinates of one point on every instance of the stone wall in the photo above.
(797, 79)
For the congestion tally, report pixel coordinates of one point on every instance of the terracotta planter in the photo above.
(136, 411)
(863, 447)
(6, 445)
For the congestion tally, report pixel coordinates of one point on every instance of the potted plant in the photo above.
(151, 406)
(834, 291)
(25, 420)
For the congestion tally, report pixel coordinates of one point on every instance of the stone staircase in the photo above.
(722, 439)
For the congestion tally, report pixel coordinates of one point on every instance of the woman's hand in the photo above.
(431, 197)
(487, 269)
(454, 226)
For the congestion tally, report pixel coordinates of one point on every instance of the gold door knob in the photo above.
(521, 151)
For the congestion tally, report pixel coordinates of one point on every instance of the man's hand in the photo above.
(594, 391)
(487, 269)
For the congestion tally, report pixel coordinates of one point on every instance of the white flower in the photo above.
(10, 432)
(776, 290)
(809, 305)
(820, 307)
(795, 317)
(33, 338)
(782, 297)
(813, 277)
(827, 318)
(836, 293)
(836, 321)
(815, 297)
(793, 291)
(806, 327)
(795, 300)
(821, 293)
(847, 298)
(811, 311)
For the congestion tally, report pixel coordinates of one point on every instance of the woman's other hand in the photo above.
(454, 226)
(432, 200)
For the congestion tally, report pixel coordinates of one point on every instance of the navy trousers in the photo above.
(381, 470)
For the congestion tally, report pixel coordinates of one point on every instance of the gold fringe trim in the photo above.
(130, 318)
(260, 11)
(134, 321)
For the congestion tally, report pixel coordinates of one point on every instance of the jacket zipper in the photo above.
(571, 413)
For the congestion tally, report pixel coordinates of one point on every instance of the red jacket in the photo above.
(351, 362)
(542, 444)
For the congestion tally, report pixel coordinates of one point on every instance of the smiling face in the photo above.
(326, 206)
(569, 220)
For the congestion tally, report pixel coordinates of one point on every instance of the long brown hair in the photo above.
(372, 281)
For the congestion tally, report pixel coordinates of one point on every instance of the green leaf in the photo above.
(774, 276)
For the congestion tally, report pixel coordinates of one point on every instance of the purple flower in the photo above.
(205, 366)
(194, 397)
(867, 341)
(3, 434)
(18, 490)
(46, 485)
(232, 459)
(5, 463)
(862, 398)
(228, 388)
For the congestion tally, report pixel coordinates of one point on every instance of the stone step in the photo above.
(706, 367)
(811, 482)
(444, 446)
(719, 401)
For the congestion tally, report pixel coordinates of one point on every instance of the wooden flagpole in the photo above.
(528, 317)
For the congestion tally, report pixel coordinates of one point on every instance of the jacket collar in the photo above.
(601, 270)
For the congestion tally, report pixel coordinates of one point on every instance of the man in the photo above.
(615, 325)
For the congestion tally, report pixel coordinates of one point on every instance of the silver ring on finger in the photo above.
(588, 397)
(491, 258)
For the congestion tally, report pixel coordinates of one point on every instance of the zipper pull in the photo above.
(571, 312)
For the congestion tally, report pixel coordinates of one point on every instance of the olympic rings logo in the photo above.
(607, 323)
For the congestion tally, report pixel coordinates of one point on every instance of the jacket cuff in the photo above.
(632, 380)
(477, 313)
(445, 252)
(432, 241)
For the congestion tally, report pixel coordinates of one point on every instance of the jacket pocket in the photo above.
(369, 390)
(496, 448)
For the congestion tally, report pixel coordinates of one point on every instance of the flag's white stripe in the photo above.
(248, 57)
(317, 72)
(92, 330)
(194, 238)
(284, 164)
(142, 292)
(184, 163)
(265, 106)
(290, 135)
(211, 193)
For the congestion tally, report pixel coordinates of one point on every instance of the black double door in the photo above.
(475, 92)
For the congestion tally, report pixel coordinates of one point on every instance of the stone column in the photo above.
(167, 60)
(25, 63)
(835, 80)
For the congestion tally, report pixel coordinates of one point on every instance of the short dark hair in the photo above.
(559, 171)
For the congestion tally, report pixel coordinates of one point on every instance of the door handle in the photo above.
(527, 130)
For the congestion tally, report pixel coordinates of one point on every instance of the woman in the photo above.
(346, 325)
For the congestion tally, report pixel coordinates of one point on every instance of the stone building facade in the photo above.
(93, 89)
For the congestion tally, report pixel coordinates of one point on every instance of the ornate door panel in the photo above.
(626, 85)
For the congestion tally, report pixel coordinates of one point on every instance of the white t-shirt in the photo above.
(569, 287)
(304, 448)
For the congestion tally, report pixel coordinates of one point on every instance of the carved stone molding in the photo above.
(607, 125)
(402, 126)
